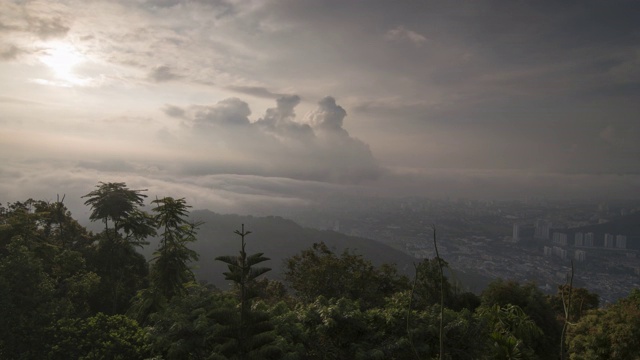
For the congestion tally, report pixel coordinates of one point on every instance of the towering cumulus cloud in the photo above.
(277, 144)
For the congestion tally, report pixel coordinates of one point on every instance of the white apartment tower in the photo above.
(589, 239)
(608, 241)
(516, 232)
(542, 229)
(578, 239)
(559, 238)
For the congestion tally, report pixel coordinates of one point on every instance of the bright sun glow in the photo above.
(62, 58)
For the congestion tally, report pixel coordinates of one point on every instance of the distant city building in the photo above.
(603, 206)
(559, 239)
(608, 241)
(589, 239)
(579, 239)
(548, 251)
(580, 255)
(516, 232)
(560, 252)
(621, 241)
(542, 229)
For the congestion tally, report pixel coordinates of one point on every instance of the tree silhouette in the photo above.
(117, 203)
(170, 270)
(253, 333)
(122, 270)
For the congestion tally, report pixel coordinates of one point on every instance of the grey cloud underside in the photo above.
(257, 91)
(44, 20)
(9, 52)
(162, 74)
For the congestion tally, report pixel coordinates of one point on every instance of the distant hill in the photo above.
(278, 239)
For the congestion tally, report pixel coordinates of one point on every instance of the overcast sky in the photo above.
(238, 105)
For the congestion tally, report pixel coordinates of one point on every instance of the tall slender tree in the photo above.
(252, 337)
(170, 269)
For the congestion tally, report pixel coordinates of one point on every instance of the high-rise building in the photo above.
(580, 255)
(542, 229)
(589, 239)
(548, 251)
(608, 241)
(621, 241)
(559, 238)
(578, 239)
(560, 252)
(516, 232)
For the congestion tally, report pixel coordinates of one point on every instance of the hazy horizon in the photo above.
(239, 105)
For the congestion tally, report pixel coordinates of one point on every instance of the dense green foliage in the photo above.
(610, 333)
(67, 293)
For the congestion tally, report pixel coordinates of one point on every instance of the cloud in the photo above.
(46, 20)
(162, 74)
(506, 184)
(223, 193)
(231, 111)
(402, 34)
(9, 52)
(283, 112)
(173, 111)
(274, 145)
(329, 116)
(111, 165)
(11, 100)
(535, 87)
(280, 121)
(257, 91)
(624, 138)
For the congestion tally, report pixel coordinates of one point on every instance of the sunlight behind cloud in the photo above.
(61, 58)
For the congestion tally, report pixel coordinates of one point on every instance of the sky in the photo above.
(246, 106)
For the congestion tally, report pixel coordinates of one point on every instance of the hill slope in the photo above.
(278, 239)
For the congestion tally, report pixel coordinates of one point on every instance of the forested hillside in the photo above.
(280, 239)
(67, 293)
